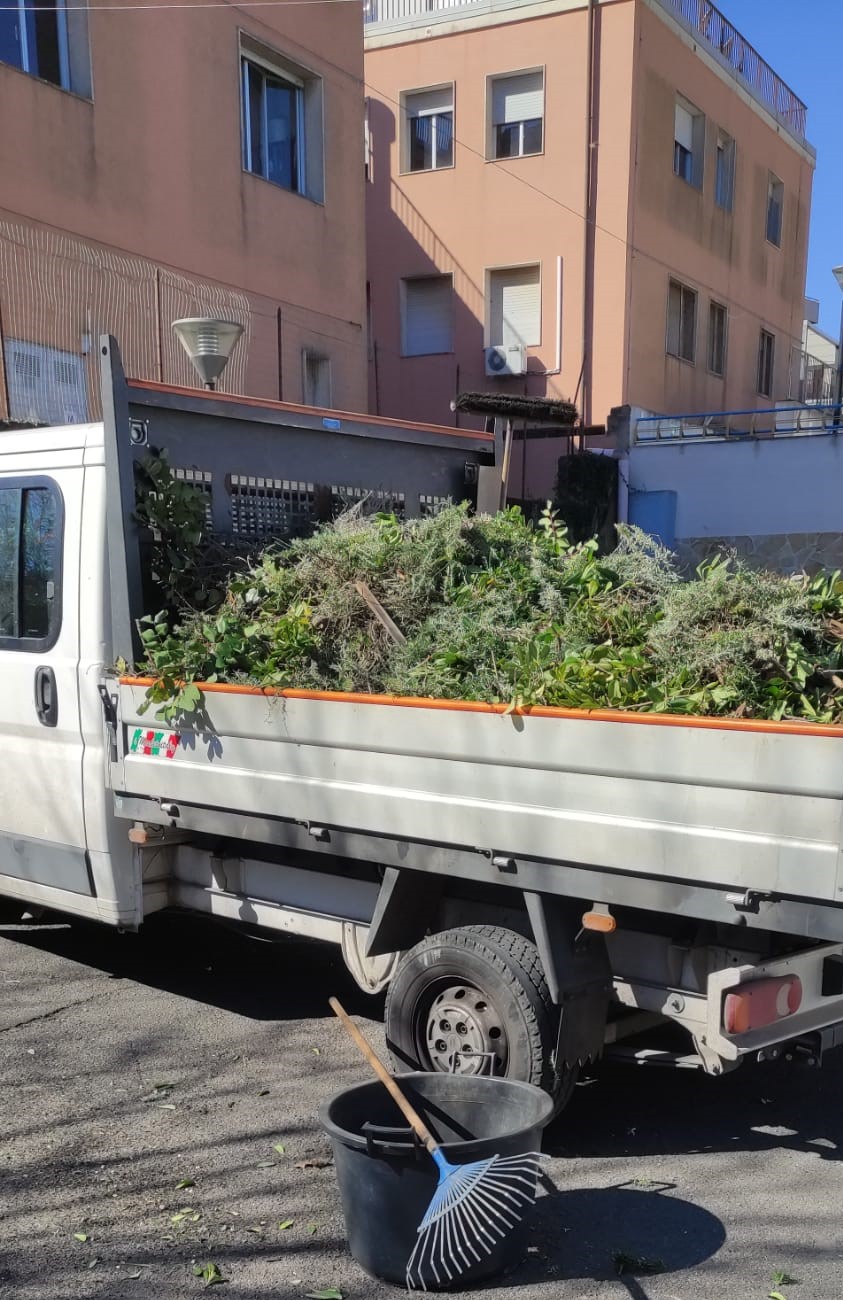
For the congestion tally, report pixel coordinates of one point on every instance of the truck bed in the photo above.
(743, 808)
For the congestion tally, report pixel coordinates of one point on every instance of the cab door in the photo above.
(43, 856)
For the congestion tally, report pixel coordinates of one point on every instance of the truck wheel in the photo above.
(471, 996)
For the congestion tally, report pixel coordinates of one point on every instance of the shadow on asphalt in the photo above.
(587, 1232)
(620, 1112)
(625, 1111)
(211, 963)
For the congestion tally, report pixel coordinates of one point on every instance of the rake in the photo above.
(474, 1205)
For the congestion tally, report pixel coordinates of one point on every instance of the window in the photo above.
(724, 181)
(282, 121)
(775, 204)
(316, 379)
(516, 114)
(46, 385)
(48, 41)
(681, 321)
(429, 118)
(30, 565)
(688, 143)
(514, 306)
(766, 361)
(717, 338)
(427, 316)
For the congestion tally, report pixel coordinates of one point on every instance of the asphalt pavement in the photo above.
(190, 1055)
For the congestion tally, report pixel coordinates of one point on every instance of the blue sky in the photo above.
(803, 42)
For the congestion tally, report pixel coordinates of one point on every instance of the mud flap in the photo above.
(576, 966)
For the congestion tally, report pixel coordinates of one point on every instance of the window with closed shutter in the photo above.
(517, 114)
(427, 316)
(515, 306)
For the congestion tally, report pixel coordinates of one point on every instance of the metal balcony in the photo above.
(700, 18)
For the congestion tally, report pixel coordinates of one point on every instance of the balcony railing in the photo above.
(395, 11)
(784, 420)
(705, 19)
(812, 379)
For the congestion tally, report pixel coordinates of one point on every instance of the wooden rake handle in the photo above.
(409, 1112)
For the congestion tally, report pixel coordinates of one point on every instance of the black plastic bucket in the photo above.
(387, 1179)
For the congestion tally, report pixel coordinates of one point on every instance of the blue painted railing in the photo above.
(781, 421)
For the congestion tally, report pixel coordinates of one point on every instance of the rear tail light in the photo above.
(760, 1003)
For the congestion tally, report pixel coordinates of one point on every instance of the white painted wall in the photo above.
(752, 488)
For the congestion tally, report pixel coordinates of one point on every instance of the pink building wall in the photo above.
(136, 201)
(648, 223)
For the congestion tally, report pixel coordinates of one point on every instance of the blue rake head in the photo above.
(473, 1208)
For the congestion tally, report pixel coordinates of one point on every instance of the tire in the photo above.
(479, 989)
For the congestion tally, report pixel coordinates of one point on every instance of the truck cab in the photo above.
(59, 846)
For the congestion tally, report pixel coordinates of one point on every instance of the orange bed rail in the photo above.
(757, 725)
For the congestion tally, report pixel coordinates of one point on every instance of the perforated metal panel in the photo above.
(372, 499)
(270, 507)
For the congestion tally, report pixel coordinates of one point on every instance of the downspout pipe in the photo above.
(587, 260)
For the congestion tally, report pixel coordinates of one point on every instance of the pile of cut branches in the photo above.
(493, 609)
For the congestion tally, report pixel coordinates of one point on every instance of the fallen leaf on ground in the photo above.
(279, 1147)
(166, 1105)
(776, 1295)
(327, 1293)
(209, 1273)
(782, 1278)
(264, 1092)
(311, 1229)
(285, 1224)
(266, 1164)
(316, 1051)
(80, 1236)
(93, 1262)
(185, 1183)
(133, 1276)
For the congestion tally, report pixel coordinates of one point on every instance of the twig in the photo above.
(380, 613)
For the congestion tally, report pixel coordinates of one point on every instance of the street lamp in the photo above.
(209, 343)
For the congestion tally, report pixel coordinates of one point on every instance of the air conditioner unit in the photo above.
(508, 360)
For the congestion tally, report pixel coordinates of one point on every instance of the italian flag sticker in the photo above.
(155, 744)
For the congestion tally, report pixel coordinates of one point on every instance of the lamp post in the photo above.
(209, 343)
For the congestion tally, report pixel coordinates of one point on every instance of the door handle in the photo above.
(46, 696)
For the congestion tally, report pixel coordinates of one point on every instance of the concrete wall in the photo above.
(136, 203)
(679, 230)
(779, 501)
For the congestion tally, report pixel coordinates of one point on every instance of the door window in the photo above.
(30, 565)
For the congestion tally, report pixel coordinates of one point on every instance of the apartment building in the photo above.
(605, 200)
(159, 163)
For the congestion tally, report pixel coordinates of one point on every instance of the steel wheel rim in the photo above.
(460, 1031)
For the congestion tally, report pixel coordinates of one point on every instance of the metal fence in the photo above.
(812, 379)
(780, 421)
(705, 20)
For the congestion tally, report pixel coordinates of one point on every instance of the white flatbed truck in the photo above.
(532, 887)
